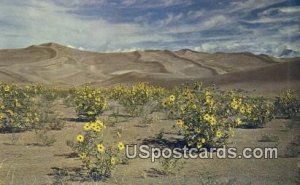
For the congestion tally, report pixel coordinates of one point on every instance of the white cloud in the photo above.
(295, 9)
(215, 21)
(290, 30)
(270, 20)
(282, 11)
(23, 23)
(249, 5)
(266, 45)
(42, 21)
(124, 50)
(195, 14)
(171, 18)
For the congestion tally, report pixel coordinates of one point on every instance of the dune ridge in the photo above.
(55, 64)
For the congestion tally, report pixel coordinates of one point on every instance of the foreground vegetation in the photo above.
(204, 116)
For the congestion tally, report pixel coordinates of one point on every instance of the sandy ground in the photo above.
(27, 163)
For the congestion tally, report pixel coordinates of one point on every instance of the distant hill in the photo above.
(55, 64)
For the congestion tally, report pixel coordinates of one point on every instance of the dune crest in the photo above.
(52, 63)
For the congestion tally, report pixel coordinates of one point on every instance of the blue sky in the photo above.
(258, 26)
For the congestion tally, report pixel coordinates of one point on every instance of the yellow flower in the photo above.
(207, 99)
(219, 134)
(121, 146)
(202, 140)
(198, 130)
(86, 127)
(172, 98)
(194, 106)
(210, 102)
(199, 145)
(80, 138)
(234, 106)
(10, 112)
(165, 103)
(212, 120)
(6, 88)
(113, 160)
(207, 94)
(90, 113)
(180, 123)
(99, 123)
(100, 148)
(249, 109)
(82, 155)
(206, 117)
(238, 121)
(27, 120)
(17, 103)
(97, 128)
(242, 110)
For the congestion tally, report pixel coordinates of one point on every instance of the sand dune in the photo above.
(269, 79)
(52, 63)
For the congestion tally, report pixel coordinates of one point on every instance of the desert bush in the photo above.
(18, 110)
(50, 120)
(134, 98)
(206, 116)
(43, 138)
(287, 104)
(90, 102)
(255, 112)
(170, 165)
(202, 114)
(69, 96)
(46, 102)
(99, 157)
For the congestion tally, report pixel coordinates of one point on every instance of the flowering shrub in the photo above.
(99, 158)
(134, 98)
(256, 111)
(287, 104)
(206, 116)
(89, 102)
(202, 115)
(17, 108)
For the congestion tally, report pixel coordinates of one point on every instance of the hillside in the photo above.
(52, 63)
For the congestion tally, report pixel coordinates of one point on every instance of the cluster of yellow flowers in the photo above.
(96, 126)
(18, 109)
(251, 111)
(98, 156)
(200, 115)
(210, 119)
(168, 101)
(135, 97)
(90, 102)
(207, 115)
(288, 103)
(236, 103)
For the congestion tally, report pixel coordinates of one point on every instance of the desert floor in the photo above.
(25, 162)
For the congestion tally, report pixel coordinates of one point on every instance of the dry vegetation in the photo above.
(84, 144)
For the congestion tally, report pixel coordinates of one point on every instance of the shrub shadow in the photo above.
(67, 155)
